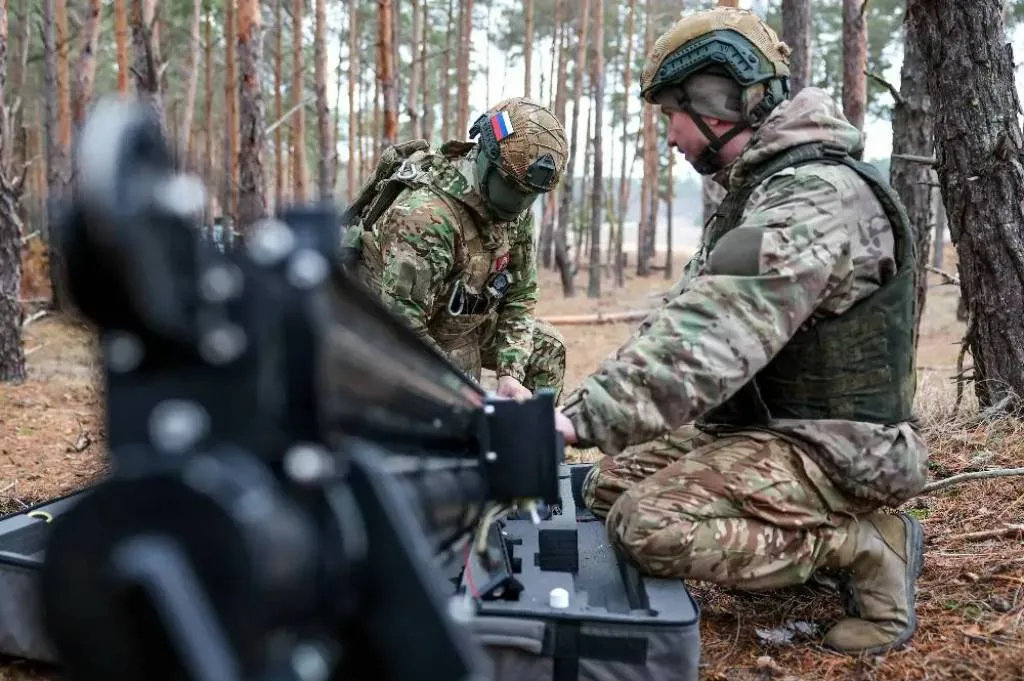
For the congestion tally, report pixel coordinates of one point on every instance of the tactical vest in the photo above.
(858, 366)
(470, 296)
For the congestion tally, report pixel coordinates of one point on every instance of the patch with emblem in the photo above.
(501, 262)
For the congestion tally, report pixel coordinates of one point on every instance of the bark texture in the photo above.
(86, 75)
(912, 136)
(796, 32)
(12, 355)
(325, 160)
(969, 70)
(855, 61)
(252, 191)
(596, 214)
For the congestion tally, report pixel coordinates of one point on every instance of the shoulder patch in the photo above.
(737, 254)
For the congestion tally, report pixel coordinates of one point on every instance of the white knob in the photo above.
(558, 598)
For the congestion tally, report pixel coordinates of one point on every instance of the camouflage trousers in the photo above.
(747, 510)
(545, 368)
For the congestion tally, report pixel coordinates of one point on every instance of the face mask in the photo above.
(504, 198)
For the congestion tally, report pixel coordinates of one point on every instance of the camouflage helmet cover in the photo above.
(525, 141)
(729, 40)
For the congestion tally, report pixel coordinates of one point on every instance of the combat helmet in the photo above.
(522, 153)
(726, 41)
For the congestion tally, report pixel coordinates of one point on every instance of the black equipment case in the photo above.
(22, 540)
(617, 625)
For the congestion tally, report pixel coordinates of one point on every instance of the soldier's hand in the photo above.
(564, 426)
(513, 389)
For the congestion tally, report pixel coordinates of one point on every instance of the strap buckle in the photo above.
(406, 171)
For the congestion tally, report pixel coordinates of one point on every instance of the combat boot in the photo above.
(880, 560)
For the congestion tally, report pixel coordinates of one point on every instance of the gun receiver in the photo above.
(288, 458)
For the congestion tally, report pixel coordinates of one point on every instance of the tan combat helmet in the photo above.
(522, 153)
(725, 41)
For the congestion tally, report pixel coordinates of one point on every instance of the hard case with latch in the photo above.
(616, 624)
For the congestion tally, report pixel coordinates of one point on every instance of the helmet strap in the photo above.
(708, 162)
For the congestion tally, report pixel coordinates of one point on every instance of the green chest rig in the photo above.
(857, 366)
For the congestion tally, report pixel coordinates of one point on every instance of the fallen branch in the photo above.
(28, 237)
(599, 318)
(924, 160)
(950, 278)
(287, 114)
(1015, 531)
(974, 475)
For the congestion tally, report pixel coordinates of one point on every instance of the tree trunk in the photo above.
(912, 135)
(86, 75)
(208, 163)
(146, 65)
(426, 102)
(188, 115)
(12, 355)
(565, 207)
(230, 209)
(970, 77)
(55, 159)
(63, 82)
(252, 190)
(546, 241)
(649, 182)
(446, 80)
(465, 54)
(325, 159)
(528, 50)
(796, 32)
(353, 110)
(279, 167)
(939, 217)
(587, 191)
(596, 215)
(298, 101)
(339, 77)
(121, 43)
(625, 182)
(416, 81)
(855, 61)
(386, 72)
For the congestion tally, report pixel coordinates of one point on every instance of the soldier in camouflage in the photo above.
(452, 253)
(758, 423)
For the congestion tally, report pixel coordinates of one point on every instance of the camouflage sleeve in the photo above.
(760, 284)
(416, 238)
(514, 333)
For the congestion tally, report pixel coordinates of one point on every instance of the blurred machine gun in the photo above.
(288, 461)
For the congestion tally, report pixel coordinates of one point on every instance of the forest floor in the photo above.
(971, 591)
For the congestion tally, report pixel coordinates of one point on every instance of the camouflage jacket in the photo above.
(829, 245)
(439, 236)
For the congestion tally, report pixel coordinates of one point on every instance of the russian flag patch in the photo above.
(501, 124)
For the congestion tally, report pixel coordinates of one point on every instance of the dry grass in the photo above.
(971, 593)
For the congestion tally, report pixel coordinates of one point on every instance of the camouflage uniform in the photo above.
(440, 241)
(761, 501)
